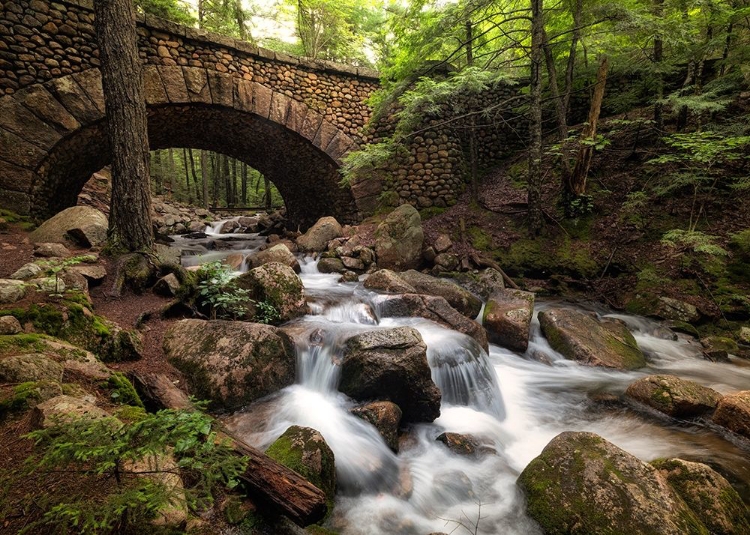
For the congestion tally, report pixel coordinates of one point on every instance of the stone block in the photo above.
(75, 100)
(197, 85)
(243, 95)
(174, 84)
(325, 135)
(262, 97)
(279, 108)
(222, 88)
(19, 120)
(91, 82)
(153, 86)
(41, 102)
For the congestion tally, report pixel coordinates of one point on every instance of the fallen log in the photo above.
(265, 480)
(482, 261)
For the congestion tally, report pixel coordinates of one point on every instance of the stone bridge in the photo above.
(290, 118)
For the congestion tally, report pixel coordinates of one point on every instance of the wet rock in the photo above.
(231, 363)
(229, 227)
(459, 298)
(672, 309)
(578, 336)
(718, 348)
(349, 276)
(432, 308)
(507, 318)
(673, 396)
(61, 409)
(399, 238)
(483, 284)
(9, 325)
(331, 265)
(27, 271)
(581, 483)
(29, 367)
(352, 263)
(83, 225)
(733, 413)
(385, 280)
(713, 500)
(391, 365)
(277, 285)
(278, 253)
(459, 444)
(305, 451)
(317, 237)
(234, 261)
(50, 250)
(168, 286)
(249, 224)
(385, 417)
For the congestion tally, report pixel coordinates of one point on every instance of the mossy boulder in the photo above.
(277, 285)
(9, 325)
(278, 253)
(317, 237)
(582, 337)
(582, 484)
(673, 396)
(713, 500)
(507, 318)
(391, 364)
(61, 409)
(29, 367)
(82, 225)
(385, 280)
(231, 363)
(718, 348)
(733, 413)
(11, 290)
(331, 265)
(399, 239)
(676, 310)
(305, 451)
(459, 298)
(27, 395)
(384, 416)
(483, 284)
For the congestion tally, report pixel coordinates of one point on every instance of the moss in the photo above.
(480, 239)
(123, 391)
(545, 257)
(130, 413)
(25, 395)
(319, 530)
(684, 327)
(429, 213)
(13, 343)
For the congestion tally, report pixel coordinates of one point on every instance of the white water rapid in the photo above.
(512, 403)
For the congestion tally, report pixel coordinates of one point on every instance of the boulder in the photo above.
(94, 273)
(168, 286)
(673, 396)
(713, 500)
(672, 309)
(51, 250)
(11, 291)
(391, 365)
(459, 298)
(582, 484)
(331, 265)
(29, 367)
(718, 348)
(399, 238)
(305, 451)
(435, 309)
(442, 243)
(459, 444)
(230, 227)
(744, 335)
(9, 325)
(62, 409)
(581, 337)
(83, 225)
(385, 280)
(234, 261)
(483, 284)
(349, 276)
(231, 363)
(447, 262)
(317, 237)
(277, 285)
(507, 318)
(278, 253)
(385, 417)
(27, 271)
(733, 413)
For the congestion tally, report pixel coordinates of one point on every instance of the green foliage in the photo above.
(123, 391)
(133, 456)
(266, 313)
(697, 242)
(220, 293)
(174, 10)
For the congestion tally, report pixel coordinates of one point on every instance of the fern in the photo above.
(697, 242)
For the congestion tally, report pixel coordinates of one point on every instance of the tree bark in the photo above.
(570, 69)
(172, 175)
(583, 162)
(536, 218)
(158, 173)
(244, 184)
(204, 177)
(658, 58)
(130, 226)
(188, 188)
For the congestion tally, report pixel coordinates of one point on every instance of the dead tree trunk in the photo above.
(577, 186)
(130, 207)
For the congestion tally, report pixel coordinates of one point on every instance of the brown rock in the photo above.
(385, 416)
(507, 318)
(733, 413)
(673, 396)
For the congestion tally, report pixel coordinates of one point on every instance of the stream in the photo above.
(512, 403)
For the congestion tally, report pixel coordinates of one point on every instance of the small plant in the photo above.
(220, 293)
(135, 457)
(266, 313)
(693, 241)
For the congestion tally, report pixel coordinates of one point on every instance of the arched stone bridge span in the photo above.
(290, 118)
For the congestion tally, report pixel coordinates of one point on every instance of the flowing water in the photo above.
(512, 403)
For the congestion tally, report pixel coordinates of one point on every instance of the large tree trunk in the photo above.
(188, 188)
(172, 175)
(157, 173)
(536, 216)
(130, 206)
(570, 69)
(204, 177)
(658, 58)
(577, 186)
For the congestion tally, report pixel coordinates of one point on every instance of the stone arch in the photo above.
(53, 137)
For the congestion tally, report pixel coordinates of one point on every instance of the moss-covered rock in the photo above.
(305, 451)
(673, 396)
(27, 395)
(276, 285)
(122, 390)
(582, 484)
(385, 280)
(399, 239)
(718, 348)
(507, 318)
(711, 498)
(733, 413)
(231, 363)
(459, 298)
(581, 337)
(29, 367)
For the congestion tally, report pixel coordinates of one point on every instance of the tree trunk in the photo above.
(558, 99)
(239, 15)
(727, 47)
(658, 58)
(158, 173)
(244, 184)
(188, 188)
(130, 206)
(204, 177)
(570, 69)
(172, 175)
(536, 218)
(583, 162)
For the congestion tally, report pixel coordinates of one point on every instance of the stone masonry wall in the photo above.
(42, 40)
